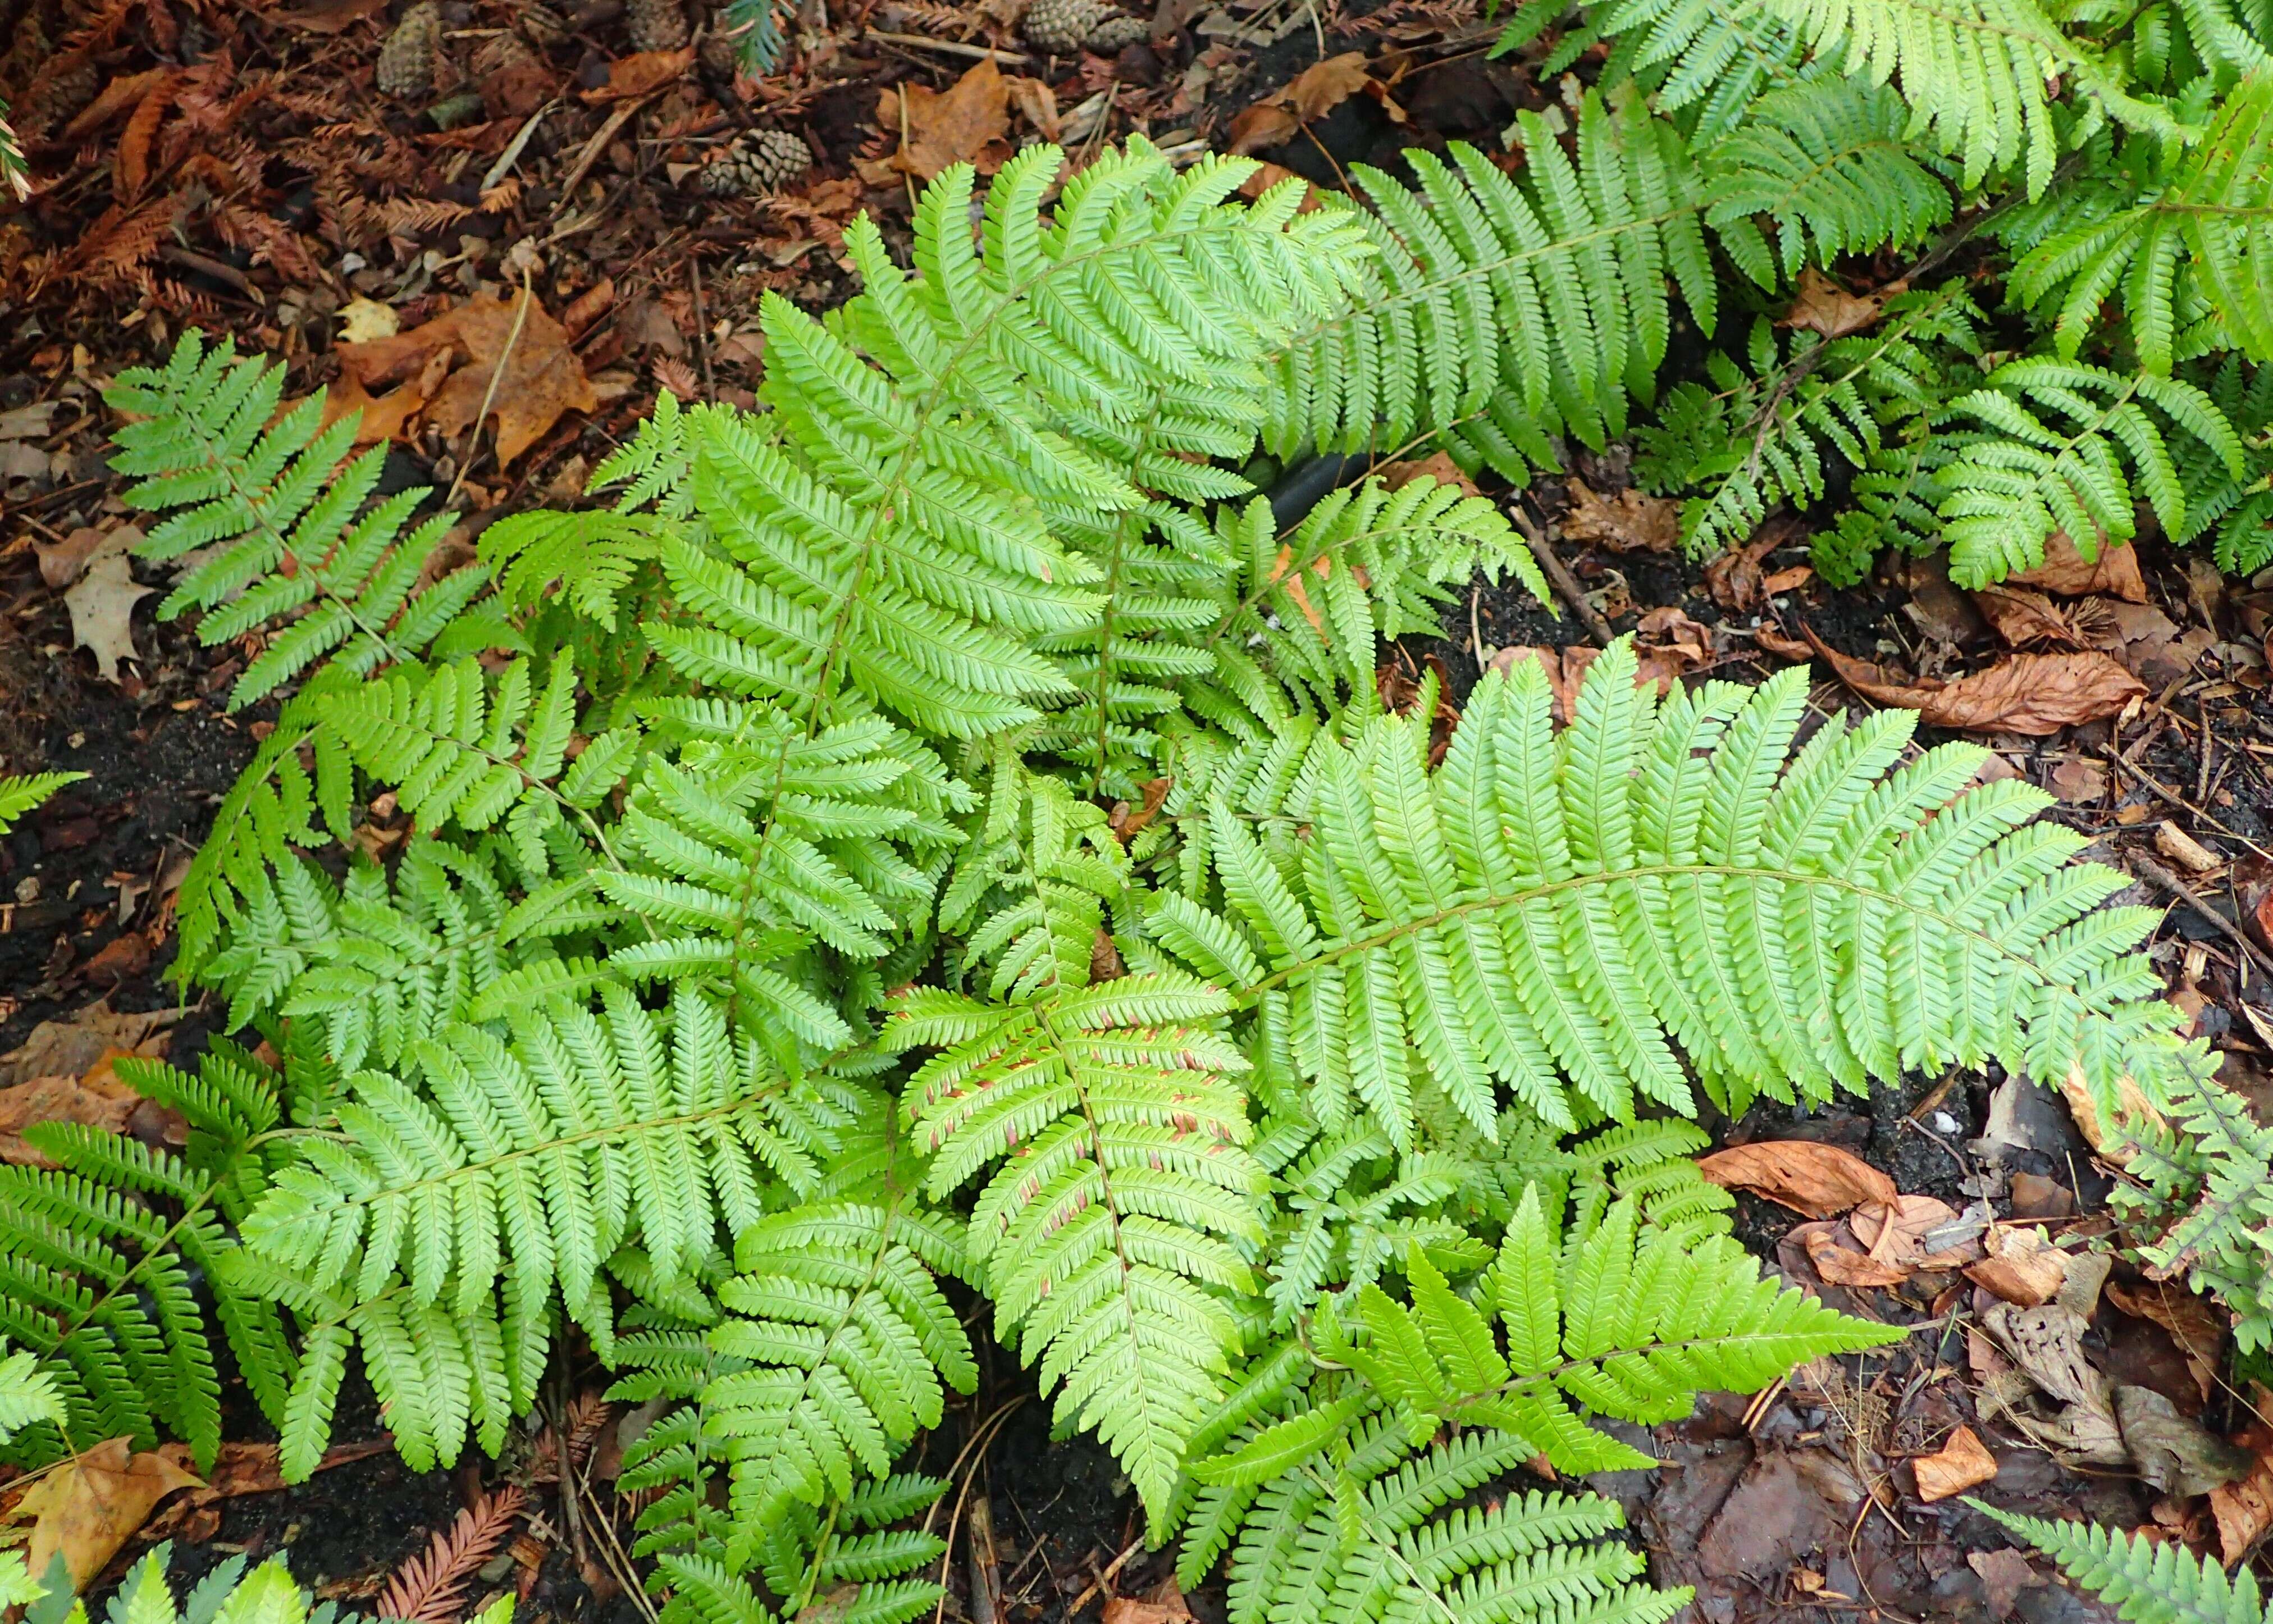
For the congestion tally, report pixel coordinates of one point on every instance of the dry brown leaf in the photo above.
(98, 1100)
(1438, 465)
(90, 1507)
(2022, 1268)
(2026, 694)
(2108, 1141)
(101, 604)
(1817, 1180)
(1166, 1605)
(1269, 175)
(118, 96)
(1839, 1263)
(543, 377)
(330, 16)
(73, 1047)
(1260, 127)
(1632, 522)
(62, 562)
(1734, 578)
(130, 164)
(1037, 103)
(1895, 1232)
(1963, 1462)
(967, 123)
(2047, 1345)
(640, 73)
(1823, 306)
(2023, 619)
(2114, 572)
(385, 416)
(1326, 84)
(366, 320)
(1671, 644)
(2243, 1510)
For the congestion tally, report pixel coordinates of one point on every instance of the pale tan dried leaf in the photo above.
(91, 1506)
(1630, 522)
(1963, 1462)
(2114, 572)
(1823, 306)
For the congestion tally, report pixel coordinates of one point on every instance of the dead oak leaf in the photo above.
(543, 379)
(101, 604)
(1817, 1180)
(1823, 306)
(1326, 84)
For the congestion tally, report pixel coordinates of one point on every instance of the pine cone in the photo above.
(1061, 27)
(55, 95)
(406, 62)
(656, 24)
(757, 165)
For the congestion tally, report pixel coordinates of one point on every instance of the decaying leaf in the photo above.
(1817, 1180)
(1316, 91)
(71, 1047)
(1824, 306)
(2022, 1268)
(2180, 1457)
(2023, 619)
(2113, 572)
(363, 320)
(2032, 694)
(1915, 1232)
(1827, 1244)
(2046, 1345)
(101, 603)
(967, 123)
(641, 73)
(99, 1100)
(91, 1506)
(1963, 1462)
(2243, 1509)
(1630, 522)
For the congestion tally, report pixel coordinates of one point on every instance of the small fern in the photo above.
(21, 793)
(2149, 1580)
(101, 1258)
(281, 507)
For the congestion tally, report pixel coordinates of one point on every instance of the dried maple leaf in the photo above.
(965, 123)
(92, 1505)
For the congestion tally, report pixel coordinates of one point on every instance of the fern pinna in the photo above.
(941, 834)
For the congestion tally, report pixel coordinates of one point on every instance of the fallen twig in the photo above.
(1559, 577)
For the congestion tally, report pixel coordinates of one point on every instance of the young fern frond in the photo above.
(226, 1595)
(2235, 508)
(21, 793)
(1974, 72)
(2190, 253)
(29, 1396)
(1499, 311)
(1716, 59)
(1760, 436)
(2148, 1581)
(1551, 906)
(282, 508)
(2203, 1200)
(847, 1347)
(2058, 437)
(1827, 163)
(99, 1259)
(1118, 1198)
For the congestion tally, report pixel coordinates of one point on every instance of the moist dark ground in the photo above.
(1802, 1509)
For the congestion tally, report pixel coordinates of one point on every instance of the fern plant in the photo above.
(23, 793)
(941, 828)
(2149, 1580)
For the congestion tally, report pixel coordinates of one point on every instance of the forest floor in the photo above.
(234, 167)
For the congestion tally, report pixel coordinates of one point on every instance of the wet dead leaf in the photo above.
(1829, 1245)
(1316, 91)
(2033, 694)
(2004, 1574)
(1676, 643)
(1898, 1234)
(2114, 572)
(2023, 619)
(1166, 1605)
(2108, 1140)
(1824, 306)
(1817, 1180)
(1326, 84)
(641, 73)
(967, 123)
(73, 1047)
(2046, 1345)
(97, 1099)
(2243, 1509)
(1963, 1462)
(90, 1507)
(1438, 465)
(1628, 522)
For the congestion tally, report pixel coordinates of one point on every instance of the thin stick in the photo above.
(497, 376)
(2151, 869)
(1105, 1579)
(952, 48)
(600, 138)
(702, 324)
(1559, 577)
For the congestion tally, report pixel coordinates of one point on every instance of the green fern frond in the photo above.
(2149, 1580)
(1500, 311)
(846, 1341)
(282, 508)
(1715, 59)
(2235, 508)
(1974, 71)
(2200, 1193)
(99, 1259)
(1773, 430)
(2059, 436)
(1825, 161)
(2184, 237)
(1118, 1198)
(227, 1595)
(1551, 906)
(28, 1396)
(20, 793)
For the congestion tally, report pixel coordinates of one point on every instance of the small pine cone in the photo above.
(758, 165)
(1061, 27)
(406, 62)
(656, 24)
(67, 85)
